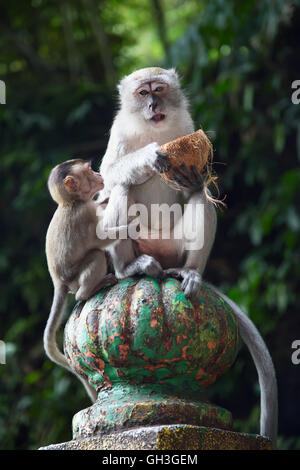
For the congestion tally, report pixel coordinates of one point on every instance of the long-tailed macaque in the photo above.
(75, 256)
(154, 111)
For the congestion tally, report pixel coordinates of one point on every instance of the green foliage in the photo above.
(238, 61)
(239, 69)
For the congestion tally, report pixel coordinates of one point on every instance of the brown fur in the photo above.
(75, 256)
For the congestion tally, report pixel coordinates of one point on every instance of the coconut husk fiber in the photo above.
(192, 149)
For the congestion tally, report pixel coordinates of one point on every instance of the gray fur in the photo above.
(265, 369)
(130, 155)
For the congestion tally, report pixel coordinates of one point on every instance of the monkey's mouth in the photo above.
(158, 117)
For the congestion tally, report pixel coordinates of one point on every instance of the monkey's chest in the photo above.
(164, 251)
(154, 191)
(162, 208)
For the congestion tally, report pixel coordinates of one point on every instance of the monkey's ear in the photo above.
(71, 184)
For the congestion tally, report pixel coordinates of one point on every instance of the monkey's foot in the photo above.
(150, 266)
(191, 280)
(84, 293)
(144, 264)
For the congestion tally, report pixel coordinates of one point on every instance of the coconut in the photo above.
(192, 149)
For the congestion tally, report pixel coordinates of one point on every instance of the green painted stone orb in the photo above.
(150, 353)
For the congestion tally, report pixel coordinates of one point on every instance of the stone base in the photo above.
(168, 437)
(126, 406)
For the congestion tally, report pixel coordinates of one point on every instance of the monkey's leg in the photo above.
(126, 263)
(92, 276)
(199, 227)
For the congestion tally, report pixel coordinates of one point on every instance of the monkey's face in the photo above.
(82, 182)
(156, 101)
(153, 95)
(151, 100)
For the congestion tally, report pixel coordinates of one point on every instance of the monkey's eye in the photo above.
(143, 92)
(159, 89)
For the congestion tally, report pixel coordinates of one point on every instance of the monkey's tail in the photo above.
(50, 344)
(265, 369)
(53, 323)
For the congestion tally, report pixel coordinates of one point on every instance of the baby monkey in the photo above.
(75, 256)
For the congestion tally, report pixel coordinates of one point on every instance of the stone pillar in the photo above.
(150, 353)
(168, 437)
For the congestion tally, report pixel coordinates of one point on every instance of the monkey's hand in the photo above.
(190, 180)
(150, 159)
(191, 280)
(154, 158)
(161, 164)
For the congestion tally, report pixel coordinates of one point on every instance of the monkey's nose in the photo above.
(152, 106)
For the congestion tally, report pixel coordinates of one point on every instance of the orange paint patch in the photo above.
(153, 367)
(123, 349)
(200, 374)
(184, 355)
(211, 345)
(97, 363)
(111, 338)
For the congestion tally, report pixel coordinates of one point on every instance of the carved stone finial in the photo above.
(150, 353)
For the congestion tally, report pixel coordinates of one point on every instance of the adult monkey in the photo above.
(154, 111)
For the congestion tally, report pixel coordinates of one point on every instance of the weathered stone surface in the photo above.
(150, 353)
(127, 406)
(172, 437)
(144, 330)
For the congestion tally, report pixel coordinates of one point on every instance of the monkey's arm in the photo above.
(127, 169)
